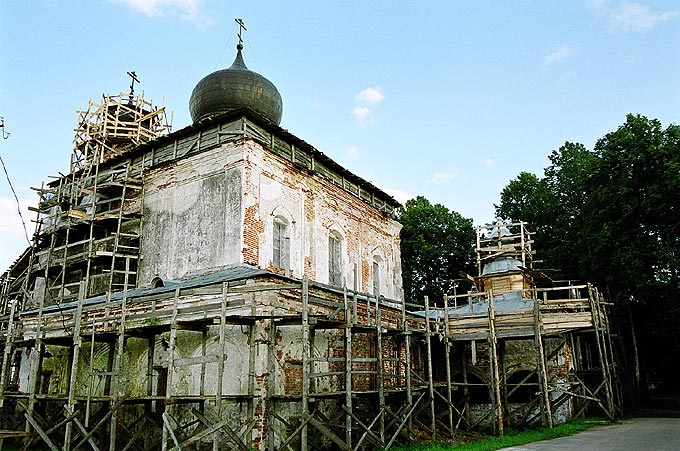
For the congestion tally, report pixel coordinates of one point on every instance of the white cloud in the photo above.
(443, 177)
(489, 162)
(560, 54)
(629, 16)
(362, 114)
(352, 152)
(401, 196)
(636, 17)
(189, 10)
(370, 96)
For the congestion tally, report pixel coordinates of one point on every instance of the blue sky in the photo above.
(446, 99)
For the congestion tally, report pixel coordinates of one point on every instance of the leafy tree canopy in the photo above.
(611, 216)
(436, 245)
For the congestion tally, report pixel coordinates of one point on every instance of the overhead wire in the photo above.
(250, 49)
(5, 135)
(226, 43)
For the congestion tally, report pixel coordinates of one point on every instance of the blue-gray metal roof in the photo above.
(503, 302)
(197, 279)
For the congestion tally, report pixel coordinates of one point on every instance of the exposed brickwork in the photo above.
(310, 216)
(560, 365)
(317, 206)
(293, 371)
(363, 346)
(253, 226)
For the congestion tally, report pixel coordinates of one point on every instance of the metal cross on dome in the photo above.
(134, 78)
(242, 27)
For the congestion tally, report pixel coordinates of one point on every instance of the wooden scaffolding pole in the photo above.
(167, 428)
(601, 349)
(546, 410)
(118, 362)
(222, 344)
(90, 374)
(447, 356)
(270, 404)
(251, 366)
(306, 354)
(406, 343)
(7, 354)
(39, 346)
(348, 366)
(607, 337)
(149, 406)
(73, 375)
(430, 380)
(493, 368)
(379, 362)
(90, 240)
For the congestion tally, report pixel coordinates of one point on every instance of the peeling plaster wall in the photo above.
(192, 214)
(217, 208)
(313, 208)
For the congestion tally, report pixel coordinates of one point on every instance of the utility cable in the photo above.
(226, 43)
(5, 135)
(16, 198)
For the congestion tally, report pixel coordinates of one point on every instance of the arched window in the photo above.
(281, 244)
(335, 259)
(376, 273)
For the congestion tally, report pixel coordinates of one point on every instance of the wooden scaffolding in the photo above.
(371, 374)
(319, 366)
(554, 322)
(86, 237)
(372, 387)
(562, 329)
(116, 124)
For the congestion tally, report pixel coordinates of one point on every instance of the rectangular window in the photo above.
(376, 278)
(280, 258)
(334, 261)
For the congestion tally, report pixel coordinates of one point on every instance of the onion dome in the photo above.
(501, 265)
(234, 88)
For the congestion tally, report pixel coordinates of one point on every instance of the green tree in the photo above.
(611, 216)
(524, 198)
(635, 206)
(436, 245)
(554, 207)
(528, 198)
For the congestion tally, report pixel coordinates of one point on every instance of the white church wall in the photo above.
(192, 214)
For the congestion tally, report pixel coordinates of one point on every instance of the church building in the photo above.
(229, 286)
(203, 275)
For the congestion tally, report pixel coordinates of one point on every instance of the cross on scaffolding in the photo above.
(241, 27)
(133, 75)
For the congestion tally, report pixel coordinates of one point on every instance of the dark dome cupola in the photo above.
(234, 88)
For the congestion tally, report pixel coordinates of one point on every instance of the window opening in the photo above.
(376, 278)
(334, 260)
(281, 257)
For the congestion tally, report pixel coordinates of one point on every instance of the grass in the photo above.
(511, 438)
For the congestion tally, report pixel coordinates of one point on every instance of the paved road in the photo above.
(637, 434)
